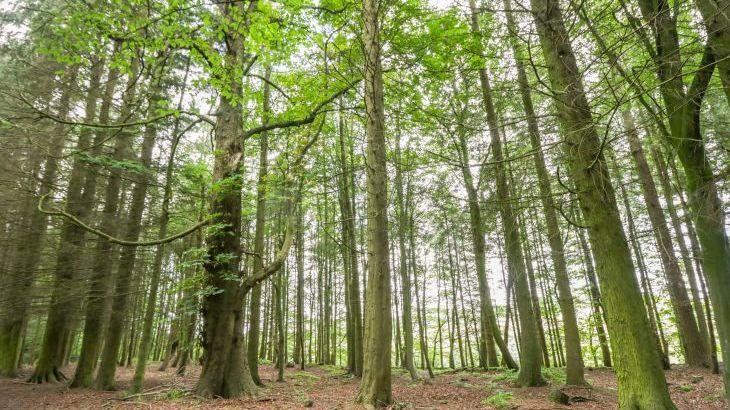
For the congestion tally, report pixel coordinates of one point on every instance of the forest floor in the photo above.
(326, 387)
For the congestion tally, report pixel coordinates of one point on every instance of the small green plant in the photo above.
(686, 388)
(500, 400)
(506, 376)
(175, 394)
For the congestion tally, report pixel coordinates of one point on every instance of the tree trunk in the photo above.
(375, 387)
(686, 138)
(403, 262)
(694, 348)
(574, 360)
(599, 312)
(529, 372)
(96, 298)
(61, 308)
(299, 336)
(258, 242)
(641, 382)
(144, 349)
(664, 180)
(128, 257)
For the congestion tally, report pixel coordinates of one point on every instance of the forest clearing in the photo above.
(426, 204)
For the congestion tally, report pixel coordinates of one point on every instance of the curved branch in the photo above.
(82, 225)
(301, 121)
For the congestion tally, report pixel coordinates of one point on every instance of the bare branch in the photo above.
(82, 225)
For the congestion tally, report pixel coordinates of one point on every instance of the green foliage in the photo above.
(554, 374)
(109, 162)
(686, 388)
(499, 400)
(175, 394)
(506, 376)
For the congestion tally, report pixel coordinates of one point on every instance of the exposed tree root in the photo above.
(50, 375)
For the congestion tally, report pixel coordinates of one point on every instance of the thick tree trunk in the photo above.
(683, 109)
(638, 368)
(375, 387)
(225, 370)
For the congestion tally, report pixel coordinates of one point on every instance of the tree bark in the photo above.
(694, 348)
(375, 387)
(683, 109)
(258, 242)
(638, 369)
(574, 360)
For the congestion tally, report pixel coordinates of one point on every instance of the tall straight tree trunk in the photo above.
(258, 242)
(488, 320)
(574, 360)
(96, 298)
(599, 311)
(299, 334)
(666, 186)
(31, 231)
(529, 372)
(61, 307)
(280, 337)
(683, 108)
(694, 348)
(375, 387)
(149, 315)
(403, 261)
(128, 257)
(421, 309)
(640, 379)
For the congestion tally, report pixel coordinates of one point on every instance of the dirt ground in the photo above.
(326, 387)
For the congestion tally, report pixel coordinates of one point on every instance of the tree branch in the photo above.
(301, 121)
(82, 225)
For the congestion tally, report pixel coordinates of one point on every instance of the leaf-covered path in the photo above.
(326, 387)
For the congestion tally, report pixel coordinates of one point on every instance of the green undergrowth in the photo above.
(552, 374)
(306, 377)
(500, 400)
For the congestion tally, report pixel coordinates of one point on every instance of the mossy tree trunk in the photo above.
(683, 108)
(574, 359)
(638, 369)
